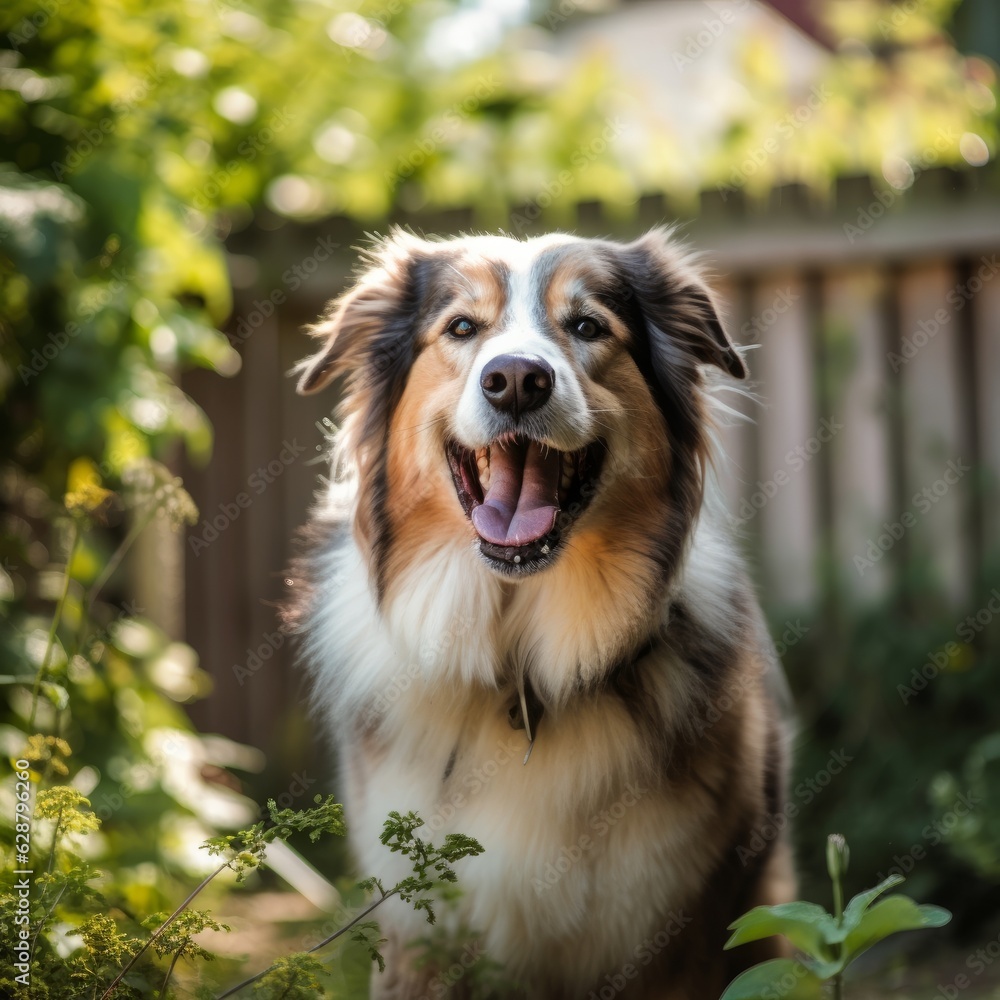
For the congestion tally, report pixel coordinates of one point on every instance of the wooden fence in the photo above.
(875, 447)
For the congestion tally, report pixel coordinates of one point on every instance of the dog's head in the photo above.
(524, 397)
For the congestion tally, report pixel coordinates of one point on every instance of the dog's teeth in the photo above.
(517, 559)
(545, 550)
(566, 476)
(483, 467)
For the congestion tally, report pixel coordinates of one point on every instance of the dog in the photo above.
(524, 617)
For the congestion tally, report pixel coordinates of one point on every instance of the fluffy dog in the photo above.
(524, 618)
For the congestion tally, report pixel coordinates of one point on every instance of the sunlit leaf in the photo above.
(897, 913)
(807, 925)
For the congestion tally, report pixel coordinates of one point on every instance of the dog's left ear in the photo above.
(678, 309)
(367, 332)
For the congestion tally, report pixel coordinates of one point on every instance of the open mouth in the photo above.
(522, 496)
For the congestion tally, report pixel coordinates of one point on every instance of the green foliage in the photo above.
(973, 834)
(893, 99)
(141, 133)
(292, 977)
(79, 936)
(47, 754)
(432, 864)
(827, 942)
(107, 953)
(874, 681)
(63, 804)
(368, 936)
(247, 849)
(178, 939)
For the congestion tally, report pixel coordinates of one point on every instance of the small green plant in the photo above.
(828, 943)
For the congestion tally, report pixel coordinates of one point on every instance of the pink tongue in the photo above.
(523, 499)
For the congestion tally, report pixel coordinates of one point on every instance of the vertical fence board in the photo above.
(934, 442)
(861, 470)
(986, 310)
(269, 454)
(218, 588)
(785, 491)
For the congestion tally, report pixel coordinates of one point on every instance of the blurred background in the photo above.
(183, 186)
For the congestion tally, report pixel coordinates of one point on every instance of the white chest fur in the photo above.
(419, 704)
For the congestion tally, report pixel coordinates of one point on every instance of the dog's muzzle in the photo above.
(522, 496)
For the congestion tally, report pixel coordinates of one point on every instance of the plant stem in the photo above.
(328, 940)
(159, 930)
(838, 912)
(55, 840)
(56, 618)
(170, 972)
(112, 564)
(45, 919)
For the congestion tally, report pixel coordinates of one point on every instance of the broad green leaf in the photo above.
(807, 925)
(780, 977)
(897, 913)
(857, 906)
(825, 968)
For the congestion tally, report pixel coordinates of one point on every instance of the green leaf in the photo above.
(367, 935)
(807, 925)
(780, 977)
(897, 913)
(56, 693)
(855, 909)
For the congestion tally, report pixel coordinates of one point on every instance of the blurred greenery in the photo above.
(136, 136)
(896, 99)
(902, 697)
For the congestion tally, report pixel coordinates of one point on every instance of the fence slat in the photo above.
(785, 490)
(934, 507)
(860, 441)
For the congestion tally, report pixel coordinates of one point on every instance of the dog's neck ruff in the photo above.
(526, 709)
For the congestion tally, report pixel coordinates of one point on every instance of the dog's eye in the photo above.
(462, 327)
(586, 328)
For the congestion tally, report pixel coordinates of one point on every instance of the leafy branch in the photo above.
(432, 865)
(247, 850)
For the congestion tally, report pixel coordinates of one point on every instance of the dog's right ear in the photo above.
(368, 331)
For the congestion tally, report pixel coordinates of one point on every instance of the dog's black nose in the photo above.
(515, 384)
